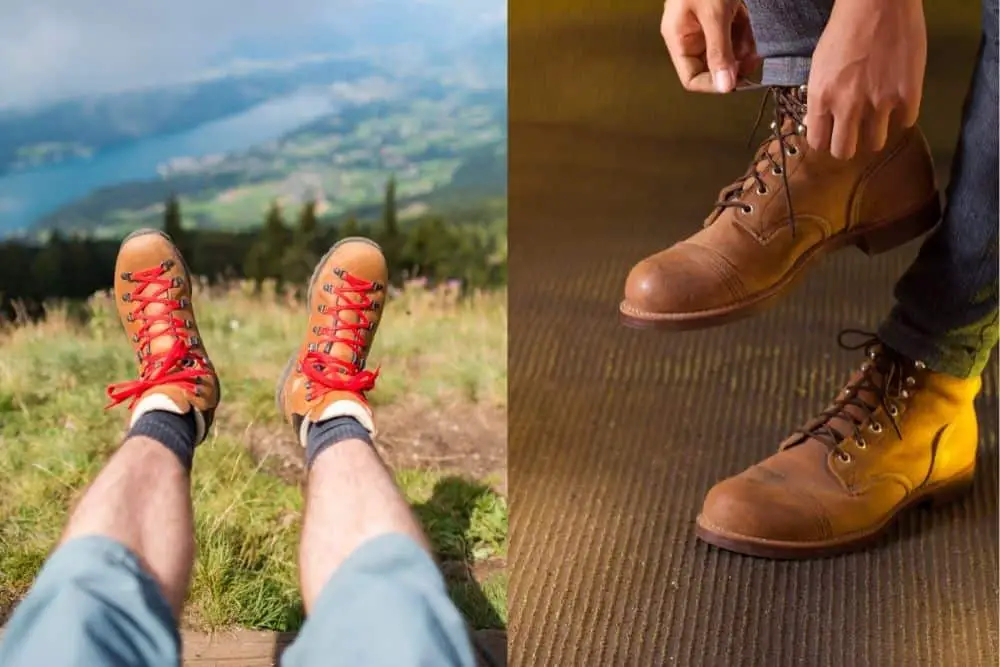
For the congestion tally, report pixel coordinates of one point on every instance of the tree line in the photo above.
(282, 250)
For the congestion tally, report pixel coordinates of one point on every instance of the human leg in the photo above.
(372, 591)
(946, 302)
(112, 591)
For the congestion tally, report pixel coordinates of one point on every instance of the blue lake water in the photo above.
(27, 196)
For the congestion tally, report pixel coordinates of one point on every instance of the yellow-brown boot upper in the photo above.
(328, 377)
(897, 434)
(153, 297)
(791, 206)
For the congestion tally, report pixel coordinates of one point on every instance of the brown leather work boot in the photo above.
(153, 296)
(898, 434)
(327, 378)
(793, 205)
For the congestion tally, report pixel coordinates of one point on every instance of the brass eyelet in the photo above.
(844, 456)
(893, 410)
(747, 209)
(762, 190)
(861, 443)
(875, 427)
(792, 150)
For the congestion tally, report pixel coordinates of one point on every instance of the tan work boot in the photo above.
(153, 296)
(327, 378)
(793, 205)
(896, 435)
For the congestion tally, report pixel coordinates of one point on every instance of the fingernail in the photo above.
(723, 81)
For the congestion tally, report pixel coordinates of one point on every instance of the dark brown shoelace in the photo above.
(885, 378)
(789, 104)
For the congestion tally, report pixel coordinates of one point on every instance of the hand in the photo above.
(869, 64)
(710, 42)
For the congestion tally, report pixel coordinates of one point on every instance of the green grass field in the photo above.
(434, 349)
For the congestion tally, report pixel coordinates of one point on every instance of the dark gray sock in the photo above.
(328, 432)
(173, 431)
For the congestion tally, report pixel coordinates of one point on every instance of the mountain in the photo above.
(83, 127)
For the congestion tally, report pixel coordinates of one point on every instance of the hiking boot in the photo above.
(791, 206)
(153, 296)
(327, 377)
(896, 435)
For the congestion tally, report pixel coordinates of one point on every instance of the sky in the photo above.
(57, 49)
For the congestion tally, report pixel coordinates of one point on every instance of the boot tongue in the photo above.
(161, 338)
(853, 407)
(783, 123)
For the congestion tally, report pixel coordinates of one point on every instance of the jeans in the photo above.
(946, 302)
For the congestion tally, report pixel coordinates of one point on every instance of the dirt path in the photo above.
(467, 439)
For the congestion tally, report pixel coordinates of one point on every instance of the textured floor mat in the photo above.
(616, 435)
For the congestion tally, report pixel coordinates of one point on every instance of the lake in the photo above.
(29, 195)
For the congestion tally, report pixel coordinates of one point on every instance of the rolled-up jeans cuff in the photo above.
(938, 357)
(786, 71)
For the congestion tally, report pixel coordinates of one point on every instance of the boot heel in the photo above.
(894, 234)
(951, 490)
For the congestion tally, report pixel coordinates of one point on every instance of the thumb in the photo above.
(716, 25)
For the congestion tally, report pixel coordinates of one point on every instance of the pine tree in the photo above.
(172, 221)
(265, 258)
(308, 224)
(391, 241)
(390, 221)
(350, 227)
(300, 257)
(173, 225)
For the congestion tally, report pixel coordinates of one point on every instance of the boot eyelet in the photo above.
(910, 381)
(861, 443)
(762, 190)
(919, 365)
(893, 410)
(747, 209)
(792, 150)
(777, 171)
(800, 129)
(904, 394)
(875, 427)
(844, 457)
(774, 125)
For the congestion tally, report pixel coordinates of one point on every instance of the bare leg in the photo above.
(351, 499)
(142, 500)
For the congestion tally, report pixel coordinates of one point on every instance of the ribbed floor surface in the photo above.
(616, 435)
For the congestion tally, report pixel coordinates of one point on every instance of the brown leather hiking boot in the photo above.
(896, 435)
(327, 378)
(793, 205)
(153, 296)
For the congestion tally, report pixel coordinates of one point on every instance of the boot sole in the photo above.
(279, 392)
(938, 494)
(871, 241)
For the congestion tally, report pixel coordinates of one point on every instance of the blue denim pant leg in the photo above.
(386, 606)
(946, 302)
(92, 604)
(786, 32)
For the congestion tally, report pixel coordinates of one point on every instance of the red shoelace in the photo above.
(329, 373)
(180, 364)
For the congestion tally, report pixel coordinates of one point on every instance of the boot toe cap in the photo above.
(677, 281)
(751, 507)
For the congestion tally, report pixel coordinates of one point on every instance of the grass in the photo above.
(55, 436)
